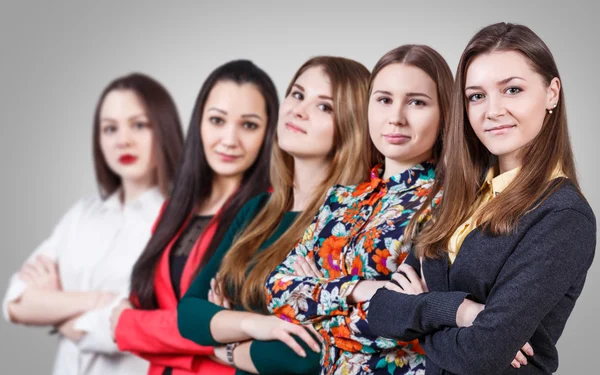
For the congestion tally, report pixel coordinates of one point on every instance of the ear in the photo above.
(553, 93)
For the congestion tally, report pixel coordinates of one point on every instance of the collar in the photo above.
(147, 201)
(414, 176)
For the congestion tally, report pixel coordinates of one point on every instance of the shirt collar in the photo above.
(148, 200)
(415, 176)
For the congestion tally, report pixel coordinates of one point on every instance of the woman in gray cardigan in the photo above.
(508, 250)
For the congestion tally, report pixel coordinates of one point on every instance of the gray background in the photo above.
(55, 58)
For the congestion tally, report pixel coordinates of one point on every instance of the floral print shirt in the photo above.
(358, 234)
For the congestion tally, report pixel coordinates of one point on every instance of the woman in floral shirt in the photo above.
(357, 238)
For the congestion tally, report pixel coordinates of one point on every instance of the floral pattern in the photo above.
(358, 234)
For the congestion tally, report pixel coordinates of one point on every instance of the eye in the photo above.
(325, 107)
(216, 120)
(416, 102)
(140, 125)
(513, 90)
(297, 95)
(109, 129)
(384, 100)
(476, 97)
(250, 125)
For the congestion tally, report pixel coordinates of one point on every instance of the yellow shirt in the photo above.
(492, 186)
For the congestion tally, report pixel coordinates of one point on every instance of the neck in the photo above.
(308, 175)
(223, 188)
(132, 189)
(508, 162)
(394, 167)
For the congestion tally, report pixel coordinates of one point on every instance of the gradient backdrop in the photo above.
(56, 57)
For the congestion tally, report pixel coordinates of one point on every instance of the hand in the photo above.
(215, 294)
(116, 314)
(67, 329)
(520, 358)
(270, 327)
(406, 281)
(42, 273)
(467, 312)
(364, 290)
(305, 266)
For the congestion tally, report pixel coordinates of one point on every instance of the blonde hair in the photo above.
(348, 165)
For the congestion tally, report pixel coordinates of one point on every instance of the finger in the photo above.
(33, 270)
(31, 274)
(425, 288)
(26, 277)
(48, 264)
(211, 298)
(306, 270)
(515, 364)
(313, 266)
(394, 287)
(521, 358)
(411, 274)
(528, 349)
(212, 285)
(402, 281)
(287, 339)
(298, 271)
(306, 337)
(312, 329)
(39, 267)
(226, 303)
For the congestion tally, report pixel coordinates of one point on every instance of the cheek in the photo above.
(209, 136)
(106, 146)
(476, 117)
(252, 142)
(428, 125)
(529, 116)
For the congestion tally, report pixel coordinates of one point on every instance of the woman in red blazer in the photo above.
(225, 163)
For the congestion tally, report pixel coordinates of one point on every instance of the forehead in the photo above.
(122, 102)
(235, 98)
(490, 68)
(315, 81)
(402, 78)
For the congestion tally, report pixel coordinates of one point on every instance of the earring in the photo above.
(550, 111)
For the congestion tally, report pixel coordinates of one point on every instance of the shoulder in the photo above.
(568, 198)
(255, 204)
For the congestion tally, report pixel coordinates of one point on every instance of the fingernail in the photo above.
(518, 365)
(530, 352)
(302, 354)
(317, 349)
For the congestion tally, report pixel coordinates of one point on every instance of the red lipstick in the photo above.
(127, 159)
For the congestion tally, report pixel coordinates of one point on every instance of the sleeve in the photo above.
(194, 311)
(96, 325)
(51, 248)
(270, 357)
(155, 332)
(554, 255)
(304, 299)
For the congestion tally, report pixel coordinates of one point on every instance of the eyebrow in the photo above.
(409, 94)
(499, 83)
(320, 96)
(130, 117)
(246, 115)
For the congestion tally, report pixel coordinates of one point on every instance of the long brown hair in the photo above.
(433, 64)
(166, 126)
(467, 159)
(349, 81)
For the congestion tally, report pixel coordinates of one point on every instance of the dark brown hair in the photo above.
(193, 184)
(467, 159)
(349, 82)
(163, 117)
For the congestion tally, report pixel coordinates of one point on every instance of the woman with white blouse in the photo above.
(74, 278)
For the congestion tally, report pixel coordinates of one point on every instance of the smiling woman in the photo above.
(74, 278)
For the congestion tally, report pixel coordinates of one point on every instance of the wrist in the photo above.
(230, 349)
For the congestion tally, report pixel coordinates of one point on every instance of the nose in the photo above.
(300, 110)
(399, 116)
(125, 137)
(230, 138)
(495, 108)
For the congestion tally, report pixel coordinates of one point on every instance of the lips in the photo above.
(396, 139)
(228, 158)
(127, 159)
(294, 128)
(500, 128)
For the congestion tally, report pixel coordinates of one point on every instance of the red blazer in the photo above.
(153, 334)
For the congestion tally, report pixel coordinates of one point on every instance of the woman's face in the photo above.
(306, 121)
(404, 116)
(507, 102)
(234, 123)
(127, 137)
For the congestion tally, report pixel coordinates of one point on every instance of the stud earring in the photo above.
(550, 111)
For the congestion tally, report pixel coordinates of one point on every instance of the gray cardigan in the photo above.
(528, 280)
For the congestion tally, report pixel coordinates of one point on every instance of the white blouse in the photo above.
(96, 245)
